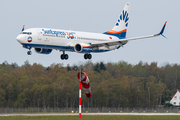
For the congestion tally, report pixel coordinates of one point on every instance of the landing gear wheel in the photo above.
(66, 56)
(62, 57)
(29, 53)
(85, 56)
(89, 56)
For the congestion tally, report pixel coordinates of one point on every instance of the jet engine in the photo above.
(83, 48)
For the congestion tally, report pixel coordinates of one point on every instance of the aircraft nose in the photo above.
(19, 38)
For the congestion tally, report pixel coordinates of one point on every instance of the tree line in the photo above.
(112, 84)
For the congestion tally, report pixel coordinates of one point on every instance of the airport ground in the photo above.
(94, 117)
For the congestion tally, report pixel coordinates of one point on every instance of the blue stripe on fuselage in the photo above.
(63, 48)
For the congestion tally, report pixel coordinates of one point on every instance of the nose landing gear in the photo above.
(28, 47)
(29, 52)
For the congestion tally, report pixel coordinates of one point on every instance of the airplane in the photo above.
(44, 40)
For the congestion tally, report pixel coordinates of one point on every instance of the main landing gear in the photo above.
(64, 56)
(87, 56)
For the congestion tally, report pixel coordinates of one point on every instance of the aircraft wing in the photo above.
(120, 42)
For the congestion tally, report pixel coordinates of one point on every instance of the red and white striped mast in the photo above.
(84, 81)
(80, 95)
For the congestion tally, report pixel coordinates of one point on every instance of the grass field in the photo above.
(96, 117)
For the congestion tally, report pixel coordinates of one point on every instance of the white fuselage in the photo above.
(63, 40)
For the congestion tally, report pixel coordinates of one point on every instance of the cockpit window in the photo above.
(28, 33)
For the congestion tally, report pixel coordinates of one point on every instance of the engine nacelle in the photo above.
(83, 48)
(43, 50)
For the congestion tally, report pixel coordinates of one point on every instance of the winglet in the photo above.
(161, 32)
(23, 28)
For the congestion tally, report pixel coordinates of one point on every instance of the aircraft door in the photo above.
(39, 36)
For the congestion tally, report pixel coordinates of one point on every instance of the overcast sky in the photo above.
(146, 17)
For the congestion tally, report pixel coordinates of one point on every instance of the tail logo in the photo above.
(123, 17)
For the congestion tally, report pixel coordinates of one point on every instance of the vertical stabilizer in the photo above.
(120, 28)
